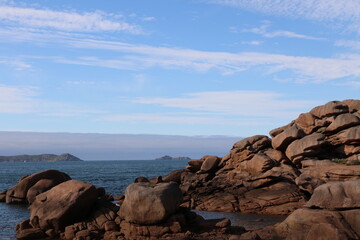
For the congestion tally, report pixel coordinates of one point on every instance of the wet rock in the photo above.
(30, 234)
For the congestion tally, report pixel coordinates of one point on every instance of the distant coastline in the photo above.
(40, 158)
(167, 157)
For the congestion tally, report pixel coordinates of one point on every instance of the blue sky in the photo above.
(195, 67)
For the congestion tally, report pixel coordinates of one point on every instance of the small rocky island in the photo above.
(167, 157)
(40, 158)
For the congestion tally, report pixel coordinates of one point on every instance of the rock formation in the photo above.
(75, 210)
(278, 175)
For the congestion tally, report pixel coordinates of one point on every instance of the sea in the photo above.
(114, 176)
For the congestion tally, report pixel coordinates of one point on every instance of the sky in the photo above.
(192, 68)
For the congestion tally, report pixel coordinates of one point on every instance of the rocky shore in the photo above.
(296, 172)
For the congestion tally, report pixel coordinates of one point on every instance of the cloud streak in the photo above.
(234, 108)
(235, 103)
(139, 56)
(317, 10)
(263, 31)
(65, 21)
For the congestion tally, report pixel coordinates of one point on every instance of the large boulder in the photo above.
(258, 164)
(194, 165)
(64, 204)
(282, 140)
(330, 109)
(309, 146)
(347, 136)
(354, 105)
(306, 121)
(336, 195)
(19, 193)
(343, 121)
(150, 203)
(253, 144)
(314, 224)
(210, 164)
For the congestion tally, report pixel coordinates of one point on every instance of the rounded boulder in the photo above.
(147, 203)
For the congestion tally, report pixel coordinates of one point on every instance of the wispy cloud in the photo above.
(28, 100)
(263, 31)
(147, 19)
(65, 21)
(236, 103)
(17, 99)
(137, 57)
(219, 108)
(17, 64)
(349, 44)
(318, 10)
(252, 43)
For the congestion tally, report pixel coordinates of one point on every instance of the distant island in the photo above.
(40, 158)
(167, 157)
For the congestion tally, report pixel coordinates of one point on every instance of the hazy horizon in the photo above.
(98, 146)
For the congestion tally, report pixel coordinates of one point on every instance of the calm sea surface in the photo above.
(114, 176)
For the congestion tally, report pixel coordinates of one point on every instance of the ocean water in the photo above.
(114, 176)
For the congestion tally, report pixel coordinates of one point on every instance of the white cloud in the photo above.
(147, 19)
(318, 10)
(263, 31)
(252, 43)
(65, 21)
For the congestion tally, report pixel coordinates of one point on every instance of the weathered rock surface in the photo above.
(336, 195)
(209, 164)
(150, 204)
(319, 224)
(62, 205)
(30, 186)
